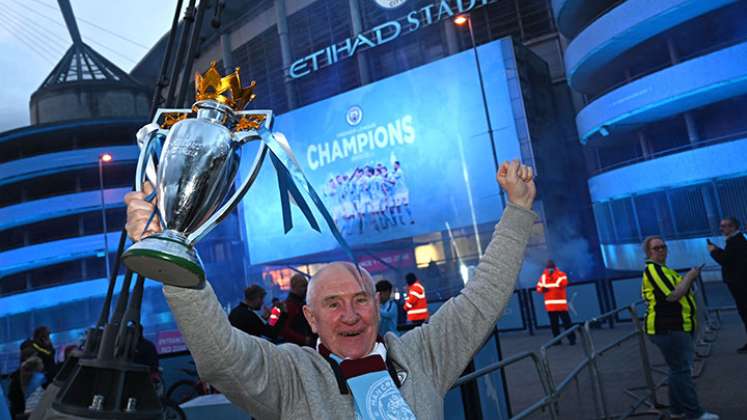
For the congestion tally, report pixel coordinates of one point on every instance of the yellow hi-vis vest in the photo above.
(658, 282)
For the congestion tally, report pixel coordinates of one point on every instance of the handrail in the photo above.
(613, 313)
(495, 366)
(616, 343)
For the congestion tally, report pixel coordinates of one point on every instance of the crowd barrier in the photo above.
(605, 394)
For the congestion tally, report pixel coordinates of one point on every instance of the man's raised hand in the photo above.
(517, 181)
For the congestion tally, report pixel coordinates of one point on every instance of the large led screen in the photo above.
(400, 157)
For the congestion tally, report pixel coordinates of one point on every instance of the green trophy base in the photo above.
(166, 257)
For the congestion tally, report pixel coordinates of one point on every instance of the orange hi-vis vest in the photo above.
(416, 305)
(553, 287)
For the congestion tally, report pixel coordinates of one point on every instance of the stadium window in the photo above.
(19, 326)
(10, 239)
(732, 198)
(653, 214)
(623, 216)
(604, 222)
(55, 274)
(13, 283)
(689, 210)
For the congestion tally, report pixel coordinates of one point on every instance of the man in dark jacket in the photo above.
(295, 328)
(247, 316)
(733, 261)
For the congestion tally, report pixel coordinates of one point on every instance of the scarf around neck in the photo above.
(375, 394)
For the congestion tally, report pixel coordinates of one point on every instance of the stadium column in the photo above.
(643, 142)
(225, 44)
(357, 26)
(452, 46)
(281, 16)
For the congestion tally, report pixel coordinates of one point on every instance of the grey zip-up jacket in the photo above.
(286, 381)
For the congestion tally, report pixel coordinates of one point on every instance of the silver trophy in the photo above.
(200, 151)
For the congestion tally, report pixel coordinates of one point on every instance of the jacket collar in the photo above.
(650, 261)
(396, 371)
(735, 234)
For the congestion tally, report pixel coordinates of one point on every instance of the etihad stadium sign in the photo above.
(381, 34)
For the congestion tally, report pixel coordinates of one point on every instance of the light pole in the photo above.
(460, 20)
(103, 158)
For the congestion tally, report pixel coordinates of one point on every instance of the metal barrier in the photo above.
(707, 327)
(649, 388)
(643, 394)
(538, 405)
(549, 403)
(573, 376)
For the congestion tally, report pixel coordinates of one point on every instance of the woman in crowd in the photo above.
(671, 325)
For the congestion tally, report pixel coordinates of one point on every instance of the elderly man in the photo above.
(351, 374)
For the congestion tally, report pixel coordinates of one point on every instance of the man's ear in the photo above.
(309, 314)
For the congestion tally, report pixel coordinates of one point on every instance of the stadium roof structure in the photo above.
(81, 63)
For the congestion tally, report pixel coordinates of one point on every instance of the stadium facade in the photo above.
(661, 88)
(303, 52)
(304, 55)
(56, 197)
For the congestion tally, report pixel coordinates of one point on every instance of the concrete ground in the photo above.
(722, 384)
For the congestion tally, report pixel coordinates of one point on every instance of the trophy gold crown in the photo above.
(211, 85)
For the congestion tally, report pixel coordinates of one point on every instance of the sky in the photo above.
(33, 38)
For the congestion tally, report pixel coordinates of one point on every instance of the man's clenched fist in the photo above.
(517, 181)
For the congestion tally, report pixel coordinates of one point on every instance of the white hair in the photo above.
(360, 274)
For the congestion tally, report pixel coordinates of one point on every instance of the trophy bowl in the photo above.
(196, 168)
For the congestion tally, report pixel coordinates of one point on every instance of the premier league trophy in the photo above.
(199, 158)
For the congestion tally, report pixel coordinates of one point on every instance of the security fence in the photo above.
(589, 389)
(611, 376)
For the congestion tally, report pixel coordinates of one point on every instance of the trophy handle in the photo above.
(146, 168)
(233, 201)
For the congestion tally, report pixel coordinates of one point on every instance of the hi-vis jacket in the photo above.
(553, 287)
(663, 316)
(416, 305)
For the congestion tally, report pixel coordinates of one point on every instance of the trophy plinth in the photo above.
(166, 257)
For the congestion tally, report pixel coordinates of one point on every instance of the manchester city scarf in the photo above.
(375, 395)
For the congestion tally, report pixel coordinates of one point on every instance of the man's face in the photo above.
(344, 314)
(727, 227)
(256, 303)
(299, 287)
